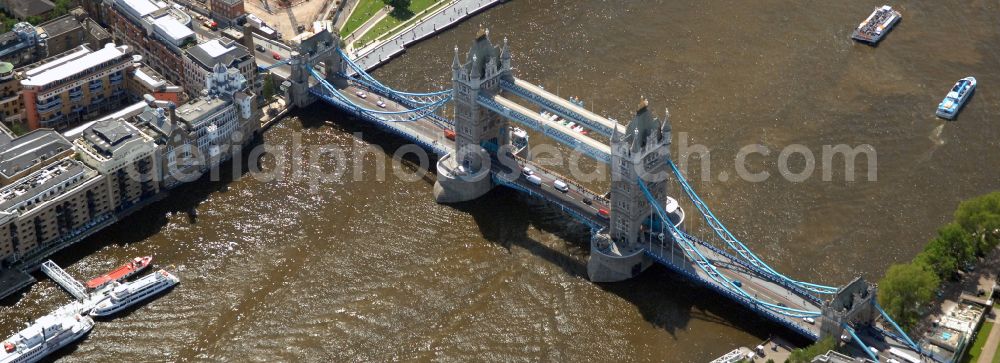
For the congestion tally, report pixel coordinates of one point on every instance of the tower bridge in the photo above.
(640, 222)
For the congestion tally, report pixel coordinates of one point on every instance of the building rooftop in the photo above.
(141, 8)
(172, 29)
(193, 111)
(216, 51)
(23, 9)
(58, 26)
(111, 139)
(149, 78)
(30, 149)
(72, 63)
(95, 29)
(127, 112)
(32, 190)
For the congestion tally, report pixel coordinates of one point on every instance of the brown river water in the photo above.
(377, 271)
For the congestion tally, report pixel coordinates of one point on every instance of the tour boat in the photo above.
(953, 102)
(127, 294)
(46, 335)
(122, 272)
(877, 25)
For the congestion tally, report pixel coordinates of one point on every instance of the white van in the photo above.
(560, 186)
(534, 179)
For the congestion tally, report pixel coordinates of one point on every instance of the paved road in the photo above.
(364, 28)
(992, 343)
(579, 199)
(458, 10)
(266, 58)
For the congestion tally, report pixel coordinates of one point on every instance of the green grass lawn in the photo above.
(399, 17)
(977, 346)
(364, 11)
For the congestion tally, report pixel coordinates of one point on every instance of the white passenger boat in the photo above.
(130, 293)
(46, 335)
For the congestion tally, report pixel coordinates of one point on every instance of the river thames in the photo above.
(375, 270)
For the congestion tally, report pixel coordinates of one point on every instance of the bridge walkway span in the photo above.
(514, 111)
(560, 106)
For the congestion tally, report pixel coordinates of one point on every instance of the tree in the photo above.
(980, 217)
(935, 256)
(904, 289)
(267, 90)
(805, 355)
(405, 4)
(959, 243)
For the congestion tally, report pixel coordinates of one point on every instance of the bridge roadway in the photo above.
(559, 106)
(579, 201)
(671, 255)
(422, 131)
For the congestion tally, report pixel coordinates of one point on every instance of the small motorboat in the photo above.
(956, 98)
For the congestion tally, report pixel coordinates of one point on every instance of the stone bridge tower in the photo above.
(320, 48)
(641, 152)
(853, 305)
(478, 131)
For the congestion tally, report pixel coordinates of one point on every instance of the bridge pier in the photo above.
(609, 264)
(455, 185)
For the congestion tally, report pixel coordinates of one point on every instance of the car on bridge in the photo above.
(380, 103)
(361, 94)
(560, 186)
(534, 179)
(527, 171)
(603, 213)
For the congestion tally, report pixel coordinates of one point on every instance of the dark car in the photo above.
(587, 201)
(301, 28)
(259, 48)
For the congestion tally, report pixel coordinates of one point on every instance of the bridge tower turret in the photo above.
(479, 132)
(641, 152)
(853, 305)
(319, 49)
